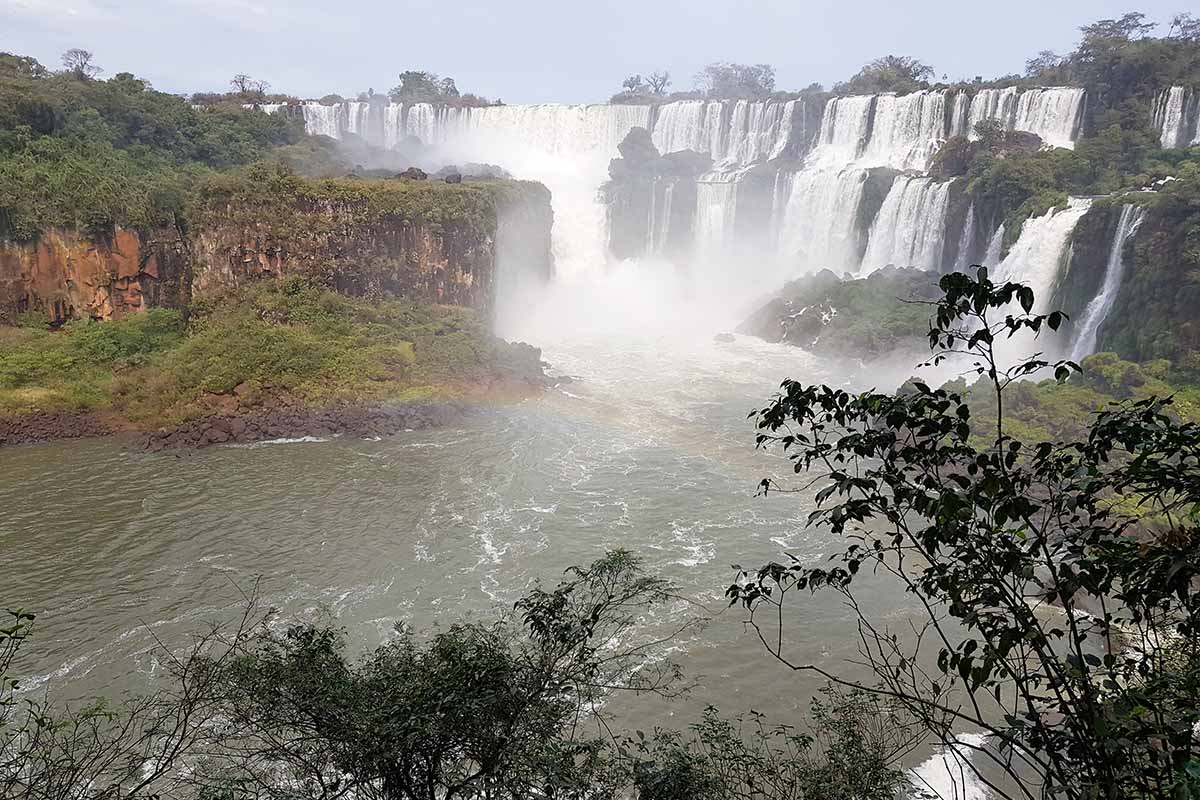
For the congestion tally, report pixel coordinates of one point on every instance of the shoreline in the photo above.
(260, 423)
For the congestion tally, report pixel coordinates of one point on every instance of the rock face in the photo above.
(68, 276)
(651, 199)
(431, 243)
(51, 426)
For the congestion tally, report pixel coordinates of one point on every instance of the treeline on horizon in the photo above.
(1115, 58)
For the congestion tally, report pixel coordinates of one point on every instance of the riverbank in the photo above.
(279, 359)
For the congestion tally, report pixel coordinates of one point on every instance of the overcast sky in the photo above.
(526, 51)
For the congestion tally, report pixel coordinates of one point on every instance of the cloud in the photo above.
(52, 10)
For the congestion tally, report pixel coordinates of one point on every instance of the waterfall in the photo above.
(320, 120)
(991, 256)
(734, 133)
(845, 126)
(906, 131)
(1097, 311)
(819, 219)
(1037, 258)
(1053, 113)
(716, 202)
(1177, 117)
(966, 241)
(910, 229)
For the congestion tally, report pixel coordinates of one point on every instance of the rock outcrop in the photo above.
(437, 243)
(69, 276)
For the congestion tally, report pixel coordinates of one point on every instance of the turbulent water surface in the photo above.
(648, 450)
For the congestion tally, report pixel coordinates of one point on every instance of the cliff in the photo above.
(1157, 312)
(421, 240)
(66, 275)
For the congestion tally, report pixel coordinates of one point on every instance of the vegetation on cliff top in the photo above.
(277, 342)
(273, 198)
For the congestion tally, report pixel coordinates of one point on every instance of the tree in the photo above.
(658, 82)
(1046, 61)
(1053, 619)
(417, 86)
(856, 741)
(510, 709)
(79, 64)
(990, 132)
(889, 74)
(132, 750)
(1185, 27)
(723, 80)
(1130, 27)
(634, 84)
(249, 87)
(22, 66)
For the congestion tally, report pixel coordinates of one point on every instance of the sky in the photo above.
(530, 51)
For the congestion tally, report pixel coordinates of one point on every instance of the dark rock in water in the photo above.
(51, 426)
(454, 177)
(284, 423)
(413, 174)
(724, 338)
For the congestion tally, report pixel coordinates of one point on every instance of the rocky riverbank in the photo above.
(52, 426)
(291, 423)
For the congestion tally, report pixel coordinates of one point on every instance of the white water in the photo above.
(910, 229)
(965, 242)
(733, 134)
(991, 257)
(948, 775)
(1037, 257)
(816, 214)
(1177, 116)
(1097, 310)
(1053, 113)
(818, 227)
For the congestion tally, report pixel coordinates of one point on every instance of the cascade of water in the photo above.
(998, 104)
(1037, 258)
(818, 230)
(688, 125)
(716, 204)
(733, 133)
(991, 256)
(845, 126)
(1097, 311)
(966, 241)
(1052, 113)
(321, 120)
(910, 229)
(1177, 117)
(906, 131)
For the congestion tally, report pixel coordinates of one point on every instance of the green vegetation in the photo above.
(91, 154)
(1047, 613)
(859, 318)
(419, 86)
(900, 74)
(288, 340)
(290, 207)
(1052, 410)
